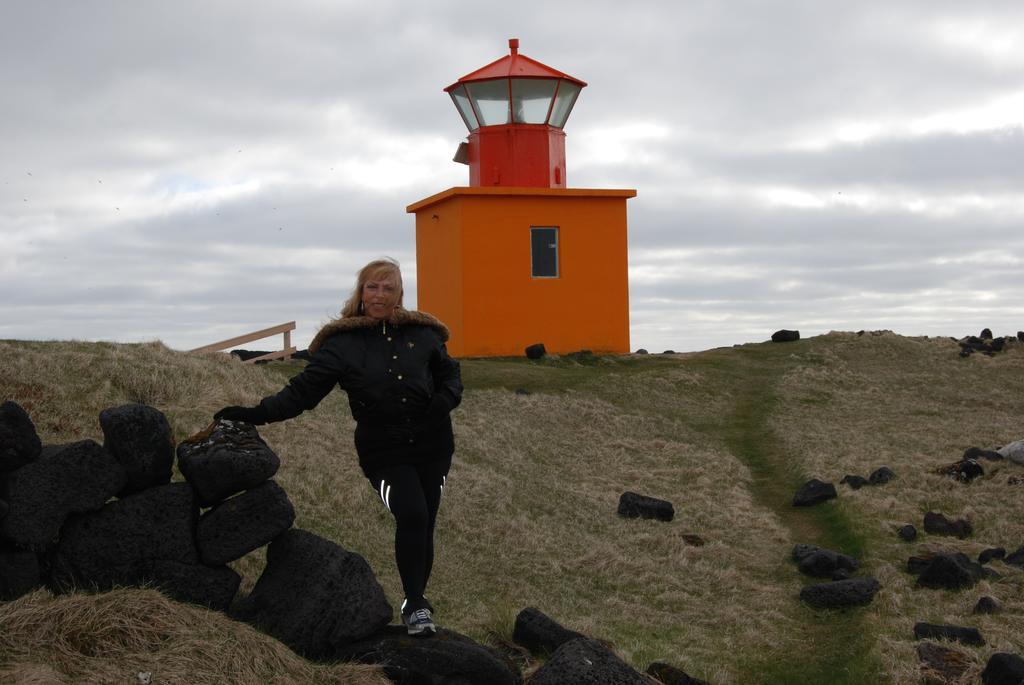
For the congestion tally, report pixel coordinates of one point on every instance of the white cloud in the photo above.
(194, 170)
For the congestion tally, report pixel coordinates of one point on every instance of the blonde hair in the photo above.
(375, 270)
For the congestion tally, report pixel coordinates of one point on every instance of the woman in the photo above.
(401, 387)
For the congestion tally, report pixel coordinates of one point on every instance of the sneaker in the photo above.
(419, 622)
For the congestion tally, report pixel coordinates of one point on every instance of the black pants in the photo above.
(412, 493)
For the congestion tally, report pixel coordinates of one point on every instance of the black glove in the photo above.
(257, 415)
(440, 406)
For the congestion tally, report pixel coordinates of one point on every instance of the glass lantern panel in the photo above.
(491, 100)
(465, 109)
(531, 99)
(566, 98)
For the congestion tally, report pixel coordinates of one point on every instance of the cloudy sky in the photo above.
(189, 171)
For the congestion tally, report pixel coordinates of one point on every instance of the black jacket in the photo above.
(400, 381)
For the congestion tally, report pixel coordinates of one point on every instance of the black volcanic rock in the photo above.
(140, 438)
(539, 633)
(145, 538)
(19, 571)
(986, 605)
(822, 563)
(65, 479)
(951, 572)
(315, 596)
(991, 553)
(632, 505)
(814, 492)
(584, 662)
(1003, 668)
(19, 442)
(535, 351)
(907, 533)
(855, 482)
(785, 336)
(228, 459)
(881, 475)
(670, 675)
(243, 523)
(930, 631)
(841, 593)
(937, 524)
(447, 657)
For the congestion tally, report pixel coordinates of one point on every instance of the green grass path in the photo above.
(836, 647)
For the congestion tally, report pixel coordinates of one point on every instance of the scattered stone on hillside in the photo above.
(988, 346)
(931, 631)
(907, 533)
(145, 538)
(586, 661)
(19, 442)
(1003, 668)
(65, 479)
(539, 633)
(1016, 558)
(523, 391)
(937, 524)
(670, 675)
(243, 523)
(632, 505)
(986, 334)
(1015, 480)
(669, 352)
(693, 540)
(641, 351)
(1013, 451)
(987, 605)
(881, 475)
(814, 492)
(941, 665)
(991, 553)
(822, 563)
(139, 437)
(841, 593)
(535, 351)
(855, 482)
(447, 657)
(226, 459)
(315, 596)
(785, 336)
(919, 562)
(19, 571)
(977, 453)
(951, 572)
(963, 471)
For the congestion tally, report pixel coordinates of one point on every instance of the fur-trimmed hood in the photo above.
(398, 318)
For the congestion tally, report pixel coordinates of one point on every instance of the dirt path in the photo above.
(836, 649)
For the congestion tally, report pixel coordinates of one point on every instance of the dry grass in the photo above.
(529, 514)
(913, 405)
(115, 636)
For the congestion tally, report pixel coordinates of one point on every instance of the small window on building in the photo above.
(544, 249)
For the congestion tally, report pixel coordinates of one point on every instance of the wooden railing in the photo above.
(287, 351)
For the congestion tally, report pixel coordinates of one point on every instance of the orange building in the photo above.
(517, 258)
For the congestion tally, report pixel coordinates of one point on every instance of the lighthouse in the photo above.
(518, 257)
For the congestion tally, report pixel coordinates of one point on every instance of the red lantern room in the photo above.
(515, 109)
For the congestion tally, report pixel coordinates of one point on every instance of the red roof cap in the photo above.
(514, 65)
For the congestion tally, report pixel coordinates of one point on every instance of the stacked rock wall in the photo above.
(92, 517)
